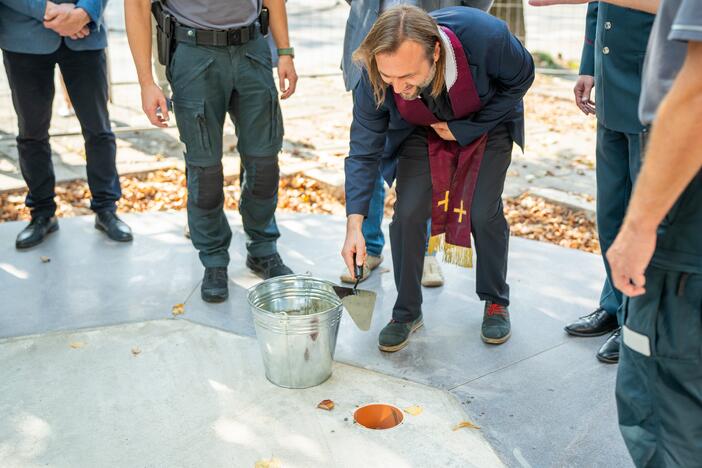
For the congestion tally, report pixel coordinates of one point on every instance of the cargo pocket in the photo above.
(679, 322)
(276, 132)
(192, 126)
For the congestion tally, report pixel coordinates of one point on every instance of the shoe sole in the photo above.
(496, 341)
(395, 348)
(102, 229)
(34, 244)
(214, 299)
(433, 284)
(589, 335)
(607, 361)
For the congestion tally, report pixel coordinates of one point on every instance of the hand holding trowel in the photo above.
(359, 303)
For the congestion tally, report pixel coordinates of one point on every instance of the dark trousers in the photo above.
(208, 83)
(31, 79)
(408, 230)
(659, 380)
(618, 163)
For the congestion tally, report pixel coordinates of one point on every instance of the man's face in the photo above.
(407, 70)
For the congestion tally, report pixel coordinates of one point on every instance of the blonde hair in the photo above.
(395, 26)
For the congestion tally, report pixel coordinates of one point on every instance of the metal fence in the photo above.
(554, 34)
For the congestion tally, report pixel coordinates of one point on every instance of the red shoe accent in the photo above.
(496, 309)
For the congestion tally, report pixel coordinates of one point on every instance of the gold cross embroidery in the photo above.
(460, 212)
(444, 202)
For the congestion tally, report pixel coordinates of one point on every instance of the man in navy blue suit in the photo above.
(438, 109)
(35, 36)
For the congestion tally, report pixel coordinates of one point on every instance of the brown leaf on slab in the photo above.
(326, 405)
(414, 410)
(45, 259)
(136, 351)
(272, 463)
(178, 309)
(467, 424)
(77, 344)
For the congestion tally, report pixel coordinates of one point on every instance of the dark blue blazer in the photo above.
(22, 29)
(503, 71)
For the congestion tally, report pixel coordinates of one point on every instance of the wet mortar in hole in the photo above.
(378, 416)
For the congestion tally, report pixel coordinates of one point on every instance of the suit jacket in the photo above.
(362, 17)
(22, 29)
(614, 51)
(502, 71)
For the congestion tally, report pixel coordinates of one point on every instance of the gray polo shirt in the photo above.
(677, 22)
(214, 14)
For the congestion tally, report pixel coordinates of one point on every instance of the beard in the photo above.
(418, 89)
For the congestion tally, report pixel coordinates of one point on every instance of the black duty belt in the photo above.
(218, 38)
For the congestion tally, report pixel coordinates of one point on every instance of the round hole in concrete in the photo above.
(378, 416)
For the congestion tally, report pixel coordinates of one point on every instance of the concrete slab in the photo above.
(92, 282)
(194, 396)
(556, 409)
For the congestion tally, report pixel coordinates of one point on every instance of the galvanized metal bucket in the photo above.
(297, 321)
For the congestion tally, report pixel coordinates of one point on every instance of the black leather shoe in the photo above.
(115, 228)
(36, 231)
(215, 285)
(597, 323)
(269, 266)
(609, 352)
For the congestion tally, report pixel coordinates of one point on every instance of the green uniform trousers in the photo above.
(659, 382)
(208, 82)
(618, 164)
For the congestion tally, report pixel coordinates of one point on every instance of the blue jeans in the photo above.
(372, 225)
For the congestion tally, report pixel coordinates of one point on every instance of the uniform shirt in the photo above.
(214, 14)
(679, 244)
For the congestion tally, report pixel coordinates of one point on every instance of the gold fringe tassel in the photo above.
(453, 254)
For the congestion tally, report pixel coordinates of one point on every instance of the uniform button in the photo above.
(605, 50)
(191, 33)
(608, 25)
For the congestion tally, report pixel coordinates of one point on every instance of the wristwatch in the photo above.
(287, 51)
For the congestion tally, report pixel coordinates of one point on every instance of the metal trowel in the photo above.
(359, 303)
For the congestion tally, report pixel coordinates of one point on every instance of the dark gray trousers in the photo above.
(408, 230)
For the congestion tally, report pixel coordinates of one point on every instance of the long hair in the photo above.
(395, 26)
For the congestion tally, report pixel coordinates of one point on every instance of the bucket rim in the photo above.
(281, 315)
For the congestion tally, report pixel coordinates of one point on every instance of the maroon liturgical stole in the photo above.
(454, 168)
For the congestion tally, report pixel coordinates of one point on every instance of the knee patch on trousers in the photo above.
(209, 186)
(261, 176)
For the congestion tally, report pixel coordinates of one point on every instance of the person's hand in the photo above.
(57, 11)
(83, 33)
(442, 129)
(583, 94)
(286, 72)
(629, 257)
(354, 243)
(154, 105)
(538, 3)
(70, 24)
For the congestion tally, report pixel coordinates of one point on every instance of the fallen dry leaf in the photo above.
(467, 424)
(414, 410)
(136, 351)
(178, 309)
(326, 405)
(272, 463)
(45, 259)
(77, 344)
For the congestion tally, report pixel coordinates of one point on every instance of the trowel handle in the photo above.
(357, 269)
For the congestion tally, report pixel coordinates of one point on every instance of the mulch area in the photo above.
(164, 190)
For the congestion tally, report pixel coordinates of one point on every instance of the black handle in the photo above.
(357, 269)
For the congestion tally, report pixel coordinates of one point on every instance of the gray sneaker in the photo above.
(395, 335)
(496, 327)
